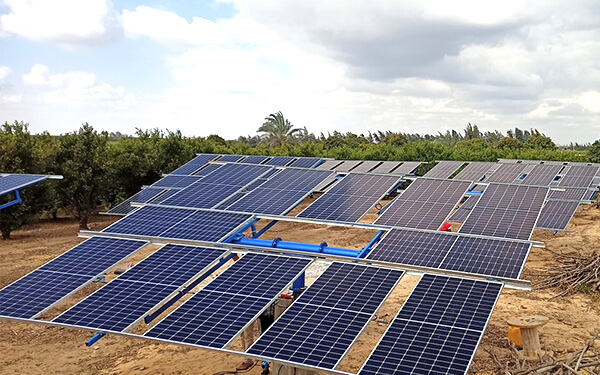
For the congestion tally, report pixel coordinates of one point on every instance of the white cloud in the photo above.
(64, 22)
(4, 73)
(13, 99)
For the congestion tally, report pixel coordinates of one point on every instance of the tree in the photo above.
(508, 143)
(83, 156)
(540, 142)
(278, 130)
(594, 152)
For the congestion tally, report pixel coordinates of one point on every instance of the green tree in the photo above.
(508, 143)
(83, 158)
(540, 142)
(594, 152)
(278, 130)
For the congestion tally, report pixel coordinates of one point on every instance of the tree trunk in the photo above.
(6, 233)
(83, 222)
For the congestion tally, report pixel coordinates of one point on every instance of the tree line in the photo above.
(101, 169)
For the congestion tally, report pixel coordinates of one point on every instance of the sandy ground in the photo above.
(37, 349)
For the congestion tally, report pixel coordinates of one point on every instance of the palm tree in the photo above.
(278, 130)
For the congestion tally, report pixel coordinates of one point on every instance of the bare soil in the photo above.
(38, 349)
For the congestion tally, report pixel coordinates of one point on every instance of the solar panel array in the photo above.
(437, 330)
(444, 169)
(569, 194)
(461, 214)
(143, 196)
(480, 256)
(347, 165)
(320, 327)
(578, 176)
(425, 204)
(474, 171)
(255, 159)
(231, 158)
(215, 315)
(305, 162)
(557, 214)
(506, 173)
(12, 182)
(386, 167)
(351, 198)
(178, 223)
(328, 165)
(542, 175)
(281, 192)
(217, 186)
(208, 169)
(280, 160)
(176, 182)
(366, 166)
(508, 211)
(407, 167)
(122, 302)
(39, 290)
(195, 164)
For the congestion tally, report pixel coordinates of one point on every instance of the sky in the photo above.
(222, 66)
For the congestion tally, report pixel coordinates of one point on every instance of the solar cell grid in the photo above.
(255, 159)
(444, 169)
(461, 214)
(366, 166)
(280, 160)
(557, 214)
(572, 194)
(208, 169)
(500, 223)
(14, 182)
(236, 174)
(512, 197)
(386, 167)
(347, 165)
(542, 174)
(171, 181)
(143, 196)
(231, 158)
(193, 165)
(328, 165)
(474, 171)
(506, 173)
(437, 329)
(305, 162)
(407, 167)
(578, 176)
(164, 196)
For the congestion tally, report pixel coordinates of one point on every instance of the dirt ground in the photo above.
(38, 349)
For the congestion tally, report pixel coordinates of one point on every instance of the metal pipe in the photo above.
(298, 246)
(94, 339)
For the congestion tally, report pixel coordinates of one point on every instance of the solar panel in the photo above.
(215, 315)
(461, 214)
(506, 173)
(280, 160)
(217, 186)
(568, 194)
(255, 159)
(347, 165)
(305, 162)
(366, 166)
(231, 158)
(193, 165)
(425, 204)
(407, 167)
(437, 330)
(578, 176)
(208, 169)
(281, 193)
(386, 167)
(508, 211)
(177, 223)
(474, 171)
(41, 289)
(557, 214)
(328, 165)
(143, 196)
(321, 326)
(14, 182)
(351, 198)
(413, 248)
(164, 196)
(122, 302)
(180, 182)
(595, 181)
(444, 169)
(542, 174)
(487, 257)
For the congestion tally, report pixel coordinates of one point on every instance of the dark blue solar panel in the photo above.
(255, 159)
(413, 248)
(122, 302)
(210, 168)
(319, 328)
(557, 214)
(164, 196)
(305, 162)
(351, 198)
(541, 175)
(215, 315)
(231, 158)
(143, 196)
(14, 182)
(437, 330)
(280, 160)
(506, 173)
(42, 288)
(196, 163)
(281, 192)
(176, 181)
(177, 223)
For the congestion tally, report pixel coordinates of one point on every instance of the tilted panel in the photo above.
(347, 165)
(407, 167)
(210, 168)
(193, 165)
(569, 194)
(461, 214)
(305, 162)
(506, 173)
(255, 159)
(328, 165)
(557, 214)
(231, 158)
(171, 181)
(437, 330)
(578, 176)
(143, 196)
(366, 166)
(474, 171)
(444, 169)
(280, 160)
(542, 175)
(14, 182)
(386, 167)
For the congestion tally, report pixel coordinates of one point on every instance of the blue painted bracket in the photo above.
(278, 243)
(150, 317)
(300, 282)
(94, 339)
(12, 203)
(363, 253)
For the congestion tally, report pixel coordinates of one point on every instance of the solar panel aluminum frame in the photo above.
(296, 364)
(557, 229)
(83, 285)
(24, 185)
(163, 301)
(402, 307)
(271, 301)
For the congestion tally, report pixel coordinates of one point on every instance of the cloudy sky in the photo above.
(219, 67)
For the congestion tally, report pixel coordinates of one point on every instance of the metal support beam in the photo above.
(365, 250)
(13, 202)
(94, 339)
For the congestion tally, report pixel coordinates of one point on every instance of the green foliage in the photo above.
(278, 130)
(508, 143)
(594, 152)
(540, 142)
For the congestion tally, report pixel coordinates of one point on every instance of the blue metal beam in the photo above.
(94, 339)
(298, 246)
(363, 253)
(12, 203)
